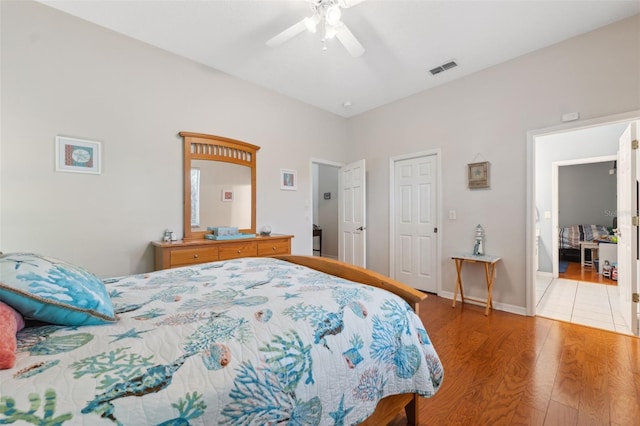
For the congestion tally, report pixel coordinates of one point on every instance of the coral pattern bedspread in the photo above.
(252, 341)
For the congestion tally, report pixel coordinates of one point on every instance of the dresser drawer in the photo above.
(193, 256)
(192, 252)
(233, 250)
(269, 248)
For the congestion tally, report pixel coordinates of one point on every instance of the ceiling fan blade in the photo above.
(349, 41)
(287, 34)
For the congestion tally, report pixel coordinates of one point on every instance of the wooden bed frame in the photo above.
(389, 407)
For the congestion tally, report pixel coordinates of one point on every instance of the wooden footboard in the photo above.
(358, 274)
(389, 407)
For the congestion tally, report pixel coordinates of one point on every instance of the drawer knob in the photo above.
(195, 256)
(238, 251)
(273, 248)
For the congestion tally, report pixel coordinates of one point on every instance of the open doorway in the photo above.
(549, 151)
(585, 193)
(325, 199)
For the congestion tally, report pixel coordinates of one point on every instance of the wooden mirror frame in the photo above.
(198, 146)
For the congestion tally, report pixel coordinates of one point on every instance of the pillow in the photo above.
(53, 291)
(10, 323)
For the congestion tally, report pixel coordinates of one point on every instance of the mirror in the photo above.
(219, 184)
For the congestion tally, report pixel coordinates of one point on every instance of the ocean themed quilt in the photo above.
(253, 341)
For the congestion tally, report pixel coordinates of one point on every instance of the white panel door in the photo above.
(627, 232)
(352, 204)
(415, 202)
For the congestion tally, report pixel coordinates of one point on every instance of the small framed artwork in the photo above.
(227, 195)
(288, 180)
(77, 155)
(478, 175)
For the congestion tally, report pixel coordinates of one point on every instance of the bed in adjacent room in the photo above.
(570, 237)
(249, 341)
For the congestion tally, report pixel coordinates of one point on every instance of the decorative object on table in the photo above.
(77, 155)
(478, 175)
(166, 237)
(266, 230)
(288, 180)
(478, 248)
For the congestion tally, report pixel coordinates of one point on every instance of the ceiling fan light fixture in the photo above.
(332, 15)
(330, 32)
(311, 23)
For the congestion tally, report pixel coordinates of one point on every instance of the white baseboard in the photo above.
(505, 307)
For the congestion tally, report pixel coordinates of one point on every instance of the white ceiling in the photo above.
(403, 40)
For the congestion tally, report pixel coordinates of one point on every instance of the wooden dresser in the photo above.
(191, 252)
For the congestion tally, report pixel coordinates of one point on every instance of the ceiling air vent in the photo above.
(443, 67)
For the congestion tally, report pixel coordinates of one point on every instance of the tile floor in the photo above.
(579, 302)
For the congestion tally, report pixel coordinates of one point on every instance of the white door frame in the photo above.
(530, 228)
(392, 163)
(312, 202)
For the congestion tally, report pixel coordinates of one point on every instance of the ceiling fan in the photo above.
(326, 15)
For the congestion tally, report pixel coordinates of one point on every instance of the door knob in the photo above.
(360, 229)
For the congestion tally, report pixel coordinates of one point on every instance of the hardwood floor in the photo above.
(576, 272)
(507, 369)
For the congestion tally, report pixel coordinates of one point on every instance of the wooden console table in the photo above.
(489, 263)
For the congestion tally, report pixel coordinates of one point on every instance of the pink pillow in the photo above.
(10, 323)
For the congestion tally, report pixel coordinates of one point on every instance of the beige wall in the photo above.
(64, 76)
(61, 75)
(486, 116)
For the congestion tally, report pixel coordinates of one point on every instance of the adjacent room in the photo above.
(319, 212)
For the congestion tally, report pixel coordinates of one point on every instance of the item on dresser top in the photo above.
(266, 230)
(228, 237)
(223, 230)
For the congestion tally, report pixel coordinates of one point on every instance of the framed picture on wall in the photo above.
(77, 155)
(478, 175)
(227, 195)
(288, 179)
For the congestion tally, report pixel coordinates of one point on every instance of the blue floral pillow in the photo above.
(53, 291)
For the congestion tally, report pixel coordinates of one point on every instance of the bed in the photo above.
(251, 341)
(569, 239)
